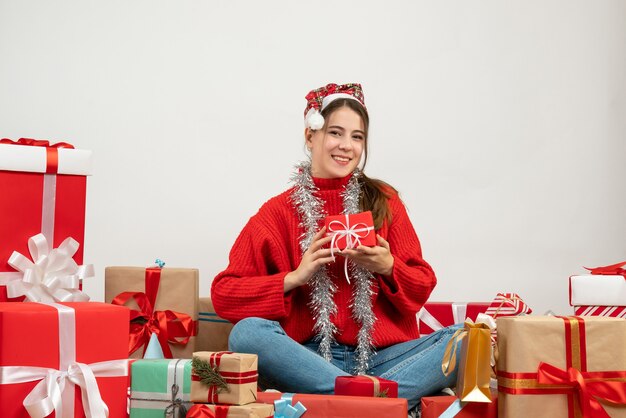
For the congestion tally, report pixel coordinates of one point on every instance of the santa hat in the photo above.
(319, 98)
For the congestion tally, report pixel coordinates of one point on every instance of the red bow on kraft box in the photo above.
(350, 231)
(171, 327)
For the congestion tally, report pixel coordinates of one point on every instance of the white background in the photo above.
(502, 123)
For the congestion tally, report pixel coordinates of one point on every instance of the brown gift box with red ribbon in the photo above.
(363, 385)
(561, 367)
(162, 301)
(251, 410)
(213, 331)
(42, 190)
(233, 377)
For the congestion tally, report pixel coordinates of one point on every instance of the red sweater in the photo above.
(268, 248)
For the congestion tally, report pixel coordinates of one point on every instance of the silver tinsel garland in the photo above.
(311, 211)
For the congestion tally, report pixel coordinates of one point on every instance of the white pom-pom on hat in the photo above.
(314, 119)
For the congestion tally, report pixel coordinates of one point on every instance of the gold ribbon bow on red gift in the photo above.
(614, 269)
(171, 327)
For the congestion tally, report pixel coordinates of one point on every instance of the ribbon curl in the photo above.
(51, 276)
(614, 269)
(36, 143)
(171, 327)
(352, 234)
(587, 391)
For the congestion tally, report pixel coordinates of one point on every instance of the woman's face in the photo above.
(336, 149)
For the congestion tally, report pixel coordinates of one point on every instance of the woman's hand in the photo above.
(376, 259)
(312, 259)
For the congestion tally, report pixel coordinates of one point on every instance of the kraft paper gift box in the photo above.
(612, 311)
(42, 190)
(364, 385)
(350, 231)
(338, 406)
(233, 377)
(561, 366)
(437, 315)
(40, 340)
(451, 406)
(251, 410)
(165, 299)
(160, 387)
(213, 331)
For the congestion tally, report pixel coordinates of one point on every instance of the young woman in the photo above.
(289, 296)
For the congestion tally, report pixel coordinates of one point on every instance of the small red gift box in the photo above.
(364, 385)
(350, 231)
(435, 406)
(338, 406)
(42, 190)
(437, 315)
(58, 349)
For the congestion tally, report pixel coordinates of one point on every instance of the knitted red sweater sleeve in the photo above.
(412, 279)
(253, 282)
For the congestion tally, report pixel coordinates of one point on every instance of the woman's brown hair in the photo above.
(375, 193)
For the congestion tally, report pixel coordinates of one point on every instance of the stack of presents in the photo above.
(155, 349)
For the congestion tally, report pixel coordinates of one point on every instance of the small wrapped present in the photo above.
(224, 377)
(364, 385)
(437, 315)
(451, 406)
(251, 410)
(604, 286)
(160, 388)
(53, 350)
(163, 300)
(43, 188)
(338, 406)
(507, 304)
(213, 331)
(561, 367)
(612, 311)
(350, 231)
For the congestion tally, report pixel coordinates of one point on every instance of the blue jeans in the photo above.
(288, 366)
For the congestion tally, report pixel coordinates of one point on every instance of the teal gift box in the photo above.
(160, 387)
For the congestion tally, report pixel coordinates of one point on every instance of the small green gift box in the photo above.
(159, 388)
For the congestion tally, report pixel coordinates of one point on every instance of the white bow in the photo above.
(51, 276)
(351, 233)
(46, 396)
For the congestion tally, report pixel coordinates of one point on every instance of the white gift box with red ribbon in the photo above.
(597, 290)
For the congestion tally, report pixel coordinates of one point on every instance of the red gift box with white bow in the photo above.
(63, 360)
(42, 190)
(350, 231)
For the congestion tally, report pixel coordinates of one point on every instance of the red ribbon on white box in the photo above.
(352, 234)
(52, 275)
(55, 390)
